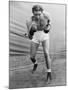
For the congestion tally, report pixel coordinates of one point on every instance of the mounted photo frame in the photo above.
(29, 66)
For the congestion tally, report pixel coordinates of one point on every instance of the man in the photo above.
(38, 31)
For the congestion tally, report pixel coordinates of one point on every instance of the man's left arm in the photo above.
(48, 26)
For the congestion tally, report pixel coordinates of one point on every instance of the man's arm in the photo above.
(48, 26)
(28, 24)
(31, 28)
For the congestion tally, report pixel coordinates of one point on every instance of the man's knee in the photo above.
(46, 52)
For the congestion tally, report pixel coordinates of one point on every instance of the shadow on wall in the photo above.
(20, 11)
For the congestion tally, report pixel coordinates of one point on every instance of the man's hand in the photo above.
(47, 28)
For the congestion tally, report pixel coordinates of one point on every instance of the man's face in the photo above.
(37, 14)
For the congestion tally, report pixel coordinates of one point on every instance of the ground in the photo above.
(20, 75)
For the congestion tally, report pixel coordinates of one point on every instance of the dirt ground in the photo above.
(20, 75)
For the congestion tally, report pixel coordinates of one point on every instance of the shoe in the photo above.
(34, 67)
(49, 77)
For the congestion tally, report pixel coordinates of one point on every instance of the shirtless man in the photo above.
(38, 27)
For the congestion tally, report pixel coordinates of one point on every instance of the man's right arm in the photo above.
(28, 24)
(31, 28)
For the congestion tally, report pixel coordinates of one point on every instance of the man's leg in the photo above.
(33, 50)
(45, 45)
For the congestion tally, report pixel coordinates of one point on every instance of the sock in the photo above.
(48, 70)
(34, 60)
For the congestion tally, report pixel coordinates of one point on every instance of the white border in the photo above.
(4, 40)
(46, 1)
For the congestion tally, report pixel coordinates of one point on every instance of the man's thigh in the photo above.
(45, 45)
(33, 49)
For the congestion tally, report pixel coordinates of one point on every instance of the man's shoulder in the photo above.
(47, 14)
(29, 19)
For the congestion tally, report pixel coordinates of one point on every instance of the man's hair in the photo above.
(37, 8)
